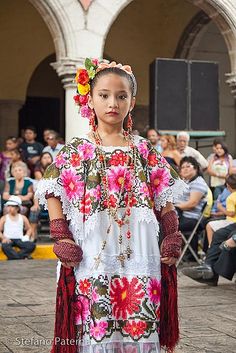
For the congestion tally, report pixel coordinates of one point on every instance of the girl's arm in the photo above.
(177, 157)
(231, 169)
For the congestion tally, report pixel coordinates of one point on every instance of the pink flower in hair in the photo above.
(95, 62)
(85, 111)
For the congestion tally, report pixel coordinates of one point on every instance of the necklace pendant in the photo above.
(128, 252)
(121, 258)
(97, 261)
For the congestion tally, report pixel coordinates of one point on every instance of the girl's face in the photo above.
(112, 99)
(46, 160)
(15, 157)
(10, 145)
(164, 143)
(219, 150)
(187, 171)
(18, 172)
(12, 210)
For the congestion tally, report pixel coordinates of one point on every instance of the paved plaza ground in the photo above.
(27, 299)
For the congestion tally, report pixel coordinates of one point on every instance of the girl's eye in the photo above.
(123, 96)
(103, 95)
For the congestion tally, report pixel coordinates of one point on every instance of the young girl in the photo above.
(106, 185)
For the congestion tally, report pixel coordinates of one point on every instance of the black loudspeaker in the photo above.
(184, 95)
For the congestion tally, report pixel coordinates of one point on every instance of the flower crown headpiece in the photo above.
(84, 77)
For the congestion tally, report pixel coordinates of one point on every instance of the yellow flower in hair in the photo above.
(83, 89)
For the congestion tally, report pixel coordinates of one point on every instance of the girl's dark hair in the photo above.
(119, 72)
(224, 147)
(193, 161)
(231, 181)
(12, 138)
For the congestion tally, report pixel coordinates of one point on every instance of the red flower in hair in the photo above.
(76, 99)
(82, 77)
(83, 99)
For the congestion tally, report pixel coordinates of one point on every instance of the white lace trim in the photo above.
(138, 265)
(171, 194)
(79, 228)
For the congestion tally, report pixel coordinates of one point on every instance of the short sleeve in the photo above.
(64, 178)
(231, 203)
(164, 181)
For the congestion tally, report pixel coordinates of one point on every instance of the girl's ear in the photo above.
(90, 102)
(132, 104)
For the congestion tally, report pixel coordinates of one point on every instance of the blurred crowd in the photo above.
(211, 193)
(22, 164)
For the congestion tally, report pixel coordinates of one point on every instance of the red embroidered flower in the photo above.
(132, 202)
(75, 160)
(152, 159)
(118, 158)
(82, 77)
(112, 200)
(85, 206)
(125, 297)
(154, 290)
(84, 286)
(135, 328)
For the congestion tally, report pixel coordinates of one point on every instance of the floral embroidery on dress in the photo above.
(130, 306)
(77, 168)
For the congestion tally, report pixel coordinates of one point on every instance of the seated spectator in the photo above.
(53, 146)
(46, 132)
(5, 158)
(154, 137)
(169, 150)
(220, 165)
(220, 258)
(190, 205)
(229, 211)
(15, 157)
(185, 150)
(221, 200)
(31, 149)
(12, 227)
(19, 185)
(41, 166)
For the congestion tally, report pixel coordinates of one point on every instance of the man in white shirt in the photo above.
(185, 150)
(53, 146)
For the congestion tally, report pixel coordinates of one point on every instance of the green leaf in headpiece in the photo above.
(88, 63)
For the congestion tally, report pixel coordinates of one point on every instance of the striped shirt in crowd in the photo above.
(198, 185)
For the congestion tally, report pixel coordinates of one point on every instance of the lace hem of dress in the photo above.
(110, 265)
(171, 194)
(79, 228)
(121, 347)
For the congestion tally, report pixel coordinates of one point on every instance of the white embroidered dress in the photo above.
(118, 308)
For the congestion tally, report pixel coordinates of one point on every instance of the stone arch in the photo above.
(222, 12)
(64, 21)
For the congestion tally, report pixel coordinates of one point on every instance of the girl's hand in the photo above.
(169, 260)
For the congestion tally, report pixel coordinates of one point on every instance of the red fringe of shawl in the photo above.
(65, 329)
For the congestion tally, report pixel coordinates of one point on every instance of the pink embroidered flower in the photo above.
(85, 111)
(135, 328)
(116, 177)
(74, 187)
(81, 309)
(95, 296)
(143, 149)
(154, 290)
(159, 180)
(98, 330)
(86, 150)
(61, 159)
(84, 286)
(144, 189)
(96, 192)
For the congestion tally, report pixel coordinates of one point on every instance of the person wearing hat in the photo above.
(12, 227)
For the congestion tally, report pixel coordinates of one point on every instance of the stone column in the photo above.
(74, 124)
(9, 116)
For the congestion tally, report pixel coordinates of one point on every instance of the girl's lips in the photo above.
(112, 113)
